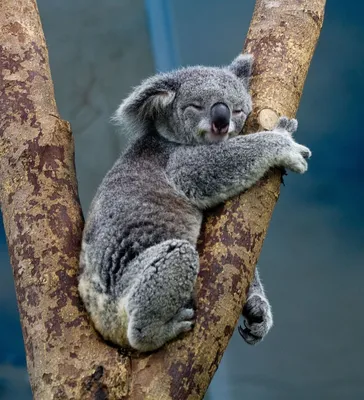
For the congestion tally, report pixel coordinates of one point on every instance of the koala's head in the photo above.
(191, 105)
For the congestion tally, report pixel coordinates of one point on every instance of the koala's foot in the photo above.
(160, 303)
(293, 157)
(258, 319)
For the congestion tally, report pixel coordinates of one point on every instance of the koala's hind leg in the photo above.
(256, 312)
(159, 302)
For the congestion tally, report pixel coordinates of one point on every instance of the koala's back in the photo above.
(135, 208)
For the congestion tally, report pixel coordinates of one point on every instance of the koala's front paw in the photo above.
(258, 319)
(293, 156)
(286, 125)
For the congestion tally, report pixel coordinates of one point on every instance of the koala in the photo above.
(138, 261)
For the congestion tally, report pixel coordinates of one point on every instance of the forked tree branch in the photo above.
(66, 359)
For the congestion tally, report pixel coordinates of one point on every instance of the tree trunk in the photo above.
(43, 221)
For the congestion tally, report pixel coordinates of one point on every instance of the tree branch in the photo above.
(43, 221)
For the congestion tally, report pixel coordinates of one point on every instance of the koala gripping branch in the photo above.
(43, 220)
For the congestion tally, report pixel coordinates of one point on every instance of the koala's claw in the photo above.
(287, 125)
(258, 319)
(246, 334)
(305, 152)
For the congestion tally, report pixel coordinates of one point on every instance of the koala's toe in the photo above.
(292, 125)
(282, 123)
(301, 166)
(305, 152)
(185, 314)
(183, 326)
(249, 338)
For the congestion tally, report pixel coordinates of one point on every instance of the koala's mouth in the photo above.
(213, 135)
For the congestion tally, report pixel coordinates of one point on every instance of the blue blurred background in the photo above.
(313, 258)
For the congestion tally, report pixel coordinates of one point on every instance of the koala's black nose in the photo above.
(220, 118)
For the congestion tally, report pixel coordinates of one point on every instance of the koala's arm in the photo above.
(211, 174)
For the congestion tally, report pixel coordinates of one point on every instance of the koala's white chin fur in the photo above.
(212, 137)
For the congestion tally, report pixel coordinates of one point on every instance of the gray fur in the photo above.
(138, 260)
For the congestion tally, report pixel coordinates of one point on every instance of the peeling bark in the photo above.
(43, 221)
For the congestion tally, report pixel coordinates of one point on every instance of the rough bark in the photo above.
(43, 220)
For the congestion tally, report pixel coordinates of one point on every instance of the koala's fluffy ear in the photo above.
(242, 67)
(146, 101)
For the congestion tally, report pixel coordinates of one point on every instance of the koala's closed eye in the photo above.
(238, 111)
(195, 106)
